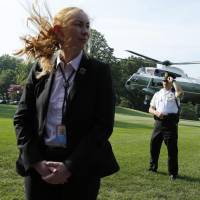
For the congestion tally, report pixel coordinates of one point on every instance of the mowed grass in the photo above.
(130, 141)
(11, 185)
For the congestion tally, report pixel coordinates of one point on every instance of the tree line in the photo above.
(14, 71)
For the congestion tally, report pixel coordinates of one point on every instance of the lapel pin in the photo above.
(82, 71)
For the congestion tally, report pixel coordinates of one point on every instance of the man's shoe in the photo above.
(172, 177)
(152, 169)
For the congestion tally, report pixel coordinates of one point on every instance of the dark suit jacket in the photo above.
(89, 120)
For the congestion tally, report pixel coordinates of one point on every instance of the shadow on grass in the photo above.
(183, 177)
(7, 111)
(120, 124)
(127, 111)
(191, 125)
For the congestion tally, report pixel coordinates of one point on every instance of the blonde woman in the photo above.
(66, 112)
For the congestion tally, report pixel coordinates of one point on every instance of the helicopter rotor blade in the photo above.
(186, 63)
(117, 58)
(152, 59)
(166, 62)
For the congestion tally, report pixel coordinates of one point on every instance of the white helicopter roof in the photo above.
(172, 69)
(183, 77)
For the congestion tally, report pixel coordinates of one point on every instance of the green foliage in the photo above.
(188, 111)
(22, 71)
(7, 77)
(197, 110)
(12, 71)
(130, 141)
(98, 47)
(8, 62)
(124, 102)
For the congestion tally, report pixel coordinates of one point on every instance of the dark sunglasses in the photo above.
(165, 81)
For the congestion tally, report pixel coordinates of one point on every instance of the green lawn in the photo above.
(130, 142)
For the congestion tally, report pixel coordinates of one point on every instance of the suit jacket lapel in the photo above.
(43, 100)
(47, 90)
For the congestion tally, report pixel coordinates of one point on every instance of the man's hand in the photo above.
(60, 174)
(159, 115)
(153, 111)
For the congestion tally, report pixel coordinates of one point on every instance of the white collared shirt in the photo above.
(54, 113)
(164, 101)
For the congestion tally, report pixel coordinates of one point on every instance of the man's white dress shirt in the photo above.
(164, 101)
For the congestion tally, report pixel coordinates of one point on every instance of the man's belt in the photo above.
(171, 117)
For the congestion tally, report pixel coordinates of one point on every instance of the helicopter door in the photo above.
(148, 91)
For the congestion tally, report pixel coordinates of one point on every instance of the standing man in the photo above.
(165, 106)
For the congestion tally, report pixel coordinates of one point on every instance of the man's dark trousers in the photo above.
(167, 131)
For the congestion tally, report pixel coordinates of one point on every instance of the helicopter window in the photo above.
(150, 71)
(141, 70)
(159, 73)
(134, 79)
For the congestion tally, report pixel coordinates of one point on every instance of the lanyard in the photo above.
(66, 87)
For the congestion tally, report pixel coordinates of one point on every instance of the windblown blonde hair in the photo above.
(45, 42)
